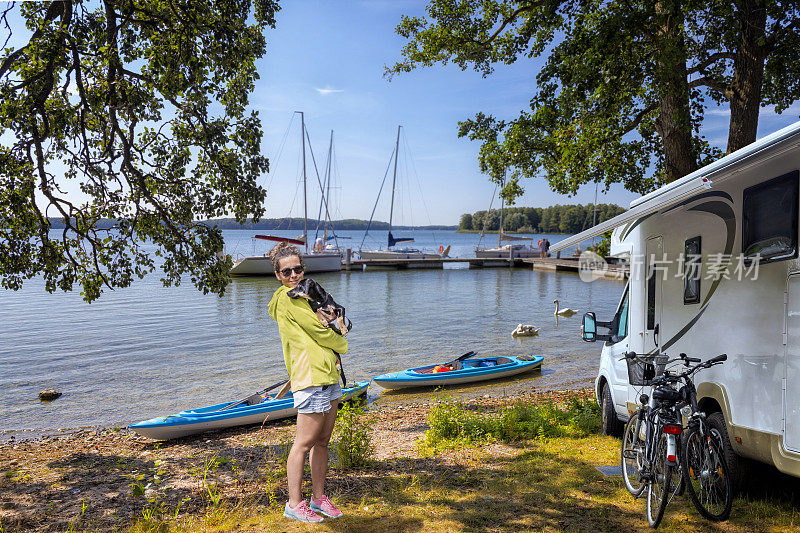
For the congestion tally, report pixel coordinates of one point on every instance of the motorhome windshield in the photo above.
(622, 317)
(769, 229)
(619, 326)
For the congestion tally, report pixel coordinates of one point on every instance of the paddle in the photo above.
(460, 358)
(244, 400)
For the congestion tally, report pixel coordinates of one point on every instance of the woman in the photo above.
(308, 351)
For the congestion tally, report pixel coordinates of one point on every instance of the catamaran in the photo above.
(315, 261)
(391, 252)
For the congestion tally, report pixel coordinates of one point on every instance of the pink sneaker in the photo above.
(302, 513)
(326, 507)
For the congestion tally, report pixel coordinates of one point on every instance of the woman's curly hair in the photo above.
(281, 250)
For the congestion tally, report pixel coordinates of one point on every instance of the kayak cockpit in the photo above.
(485, 362)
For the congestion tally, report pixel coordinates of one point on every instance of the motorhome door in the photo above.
(791, 439)
(655, 270)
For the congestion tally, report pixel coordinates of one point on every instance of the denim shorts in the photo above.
(316, 399)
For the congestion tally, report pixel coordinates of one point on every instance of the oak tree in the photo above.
(127, 122)
(622, 86)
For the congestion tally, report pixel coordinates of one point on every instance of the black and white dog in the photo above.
(319, 299)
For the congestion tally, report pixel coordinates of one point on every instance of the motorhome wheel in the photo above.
(735, 467)
(610, 424)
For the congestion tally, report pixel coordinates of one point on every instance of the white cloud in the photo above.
(769, 111)
(328, 90)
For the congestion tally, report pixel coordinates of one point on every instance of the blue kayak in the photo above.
(217, 416)
(478, 369)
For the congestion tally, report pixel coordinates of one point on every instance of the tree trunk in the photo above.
(674, 123)
(748, 73)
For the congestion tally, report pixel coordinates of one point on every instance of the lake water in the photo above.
(147, 350)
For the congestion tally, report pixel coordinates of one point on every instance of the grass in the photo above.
(524, 467)
(551, 485)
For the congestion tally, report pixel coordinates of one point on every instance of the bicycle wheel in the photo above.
(632, 455)
(663, 484)
(705, 473)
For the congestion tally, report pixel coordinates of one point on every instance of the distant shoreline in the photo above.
(489, 232)
(292, 224)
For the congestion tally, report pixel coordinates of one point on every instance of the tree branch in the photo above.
(771, 41)
(707, 62)
(508, 21)
(713, 83)
(54, 10)
(633, 124)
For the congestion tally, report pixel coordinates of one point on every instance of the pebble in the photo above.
(48, 395)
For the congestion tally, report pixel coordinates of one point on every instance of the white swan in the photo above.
(566, 312)
(524, 330)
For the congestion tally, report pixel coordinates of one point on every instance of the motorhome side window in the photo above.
(769, 221)
(691, 271)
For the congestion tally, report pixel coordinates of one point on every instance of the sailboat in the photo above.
(391, 251)
(324, 261)
(504, 251)
(323, 242)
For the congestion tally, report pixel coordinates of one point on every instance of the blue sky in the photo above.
(327, 59)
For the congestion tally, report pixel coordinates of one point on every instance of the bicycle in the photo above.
(705, 470)
(652, 459)
(649, 448)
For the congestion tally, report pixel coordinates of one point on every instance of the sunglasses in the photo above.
(286, 272)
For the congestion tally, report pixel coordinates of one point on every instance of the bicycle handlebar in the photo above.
(683, 357)
(689, 359)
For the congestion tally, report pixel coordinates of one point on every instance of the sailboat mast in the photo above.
(305, 197)
(594, 208)
(500, 229)
(328, 192)
(394, 177)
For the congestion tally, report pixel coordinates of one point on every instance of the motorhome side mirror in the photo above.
(589, 327)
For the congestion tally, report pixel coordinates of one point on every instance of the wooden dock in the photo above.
(613, 269)
(403, 264)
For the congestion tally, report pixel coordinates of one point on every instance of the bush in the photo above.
(353, 441)
(585, 417)
(603, 246)
(451, 425)
(524, 421)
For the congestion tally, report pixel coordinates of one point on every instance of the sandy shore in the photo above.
(103, 479)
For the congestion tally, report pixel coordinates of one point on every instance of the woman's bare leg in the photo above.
(319, 453)
(309, 429)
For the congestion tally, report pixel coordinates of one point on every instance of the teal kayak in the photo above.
(216, 417)
(478, 369)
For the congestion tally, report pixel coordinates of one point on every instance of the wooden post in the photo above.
(347, 258)
(510, 256)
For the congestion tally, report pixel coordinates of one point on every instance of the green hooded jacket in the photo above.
(308, 346)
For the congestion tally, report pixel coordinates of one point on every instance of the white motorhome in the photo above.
(714, 269)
